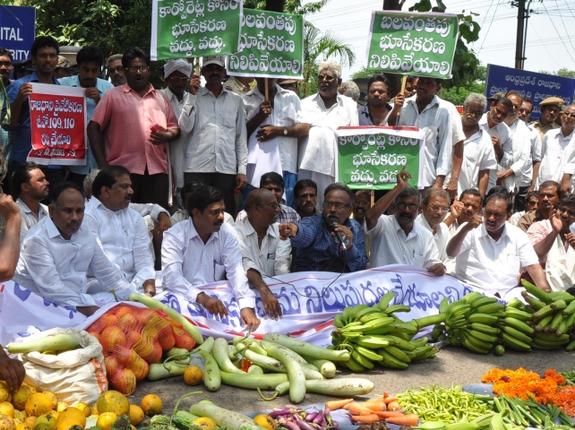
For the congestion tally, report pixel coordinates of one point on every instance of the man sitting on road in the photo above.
(59, 252)
(397, 238)
(549, 195)
(121, 231)
(463, 210)
(30, 187)
(263, 253)
(330, 241)
(491, 253)
(305, 197)
(435, 205)
(204, 249)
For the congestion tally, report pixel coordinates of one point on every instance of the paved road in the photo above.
(451, 366)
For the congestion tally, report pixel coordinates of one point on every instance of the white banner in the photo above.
(309, 301)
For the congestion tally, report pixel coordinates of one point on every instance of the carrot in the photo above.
(390, 399)
(388, 414)
(337, 404)
(365, 419)
(393, 406)
(375, 404)
(405, 420)
(355, 408)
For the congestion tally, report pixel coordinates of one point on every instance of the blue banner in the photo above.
(534, 86)
(17, 31)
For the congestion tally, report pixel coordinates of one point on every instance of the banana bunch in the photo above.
(472, 322)
(516, 328)
(375, 336)
(553, 317)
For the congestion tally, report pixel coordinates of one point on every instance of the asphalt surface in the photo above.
(450, 366)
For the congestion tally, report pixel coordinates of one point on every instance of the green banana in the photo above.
(470, 297)
(483, 318)
(385, 300)
(570, 309)
(443, 306)
(368, 353)
(519, 325)
(482, 300)
(365, 318)
(556, 321)
(338, 321)
(474, 346)
(534, 302)
(366, 311)
(373, 341)
(377, 323)
(543, 312)
(518, 314)
(491, 308)
(484, 328)
(561, 295)
(354, 366)
(515, 303)
(570, 346)
(406, 345)
(517, 334)
(543, 323)
(484, 337)
(392, 362)
(535, 291)
(363, 361)
(397, 308)
(515, 343)
(398, 353)
(563, 327)
(551, 337)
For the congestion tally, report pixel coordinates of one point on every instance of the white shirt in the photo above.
(494, 265)
(478, 154)
(523, 141)
(56, 269)
(555, 150)
(123, 235)
(272, 258)
(29, 218)
(188, 262)
(390, 244)
(441, 235)
(318, 151)
(437, 122)
(502, 132)
(184, 110)
(285, 111)
(218, 141)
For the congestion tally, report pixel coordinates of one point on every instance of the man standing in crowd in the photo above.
(491, 253)
(217, 152)
(263, 252)
(44, 54)
(89, 60)
(131, 126)
(323, 113)
(330, 241)
(5, 70)
(59, 252)
(549, 196)
(305, 197)
(377, 109)
(204, 249)
(397, 238)
(115, 70)
(272, 133)
(120, 231)
(549, 117)
(176, 75)
(478, 153)
(30, 188)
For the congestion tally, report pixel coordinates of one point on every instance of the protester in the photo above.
(10, 219)
(264, 254)
(305, 197)
(115, 70)
(121, 231)
(330, 241)
(6, 68)
(59, 252)
(554, 244)
(490, 253)
(531, 203)
(435, 205)
(30, 188)
(349, 89)
(182, 214)
(464, 209)
(217, 152)
(203, 249)
(131, 126)
(549, 114)
(89, 60)
(397, 238)
(549, 195)
(377, 109)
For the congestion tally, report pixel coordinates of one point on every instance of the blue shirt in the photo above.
(315, 248)
(19, 136)
(102, 86)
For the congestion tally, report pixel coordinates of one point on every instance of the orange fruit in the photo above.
(205, 423)
(151, 404)
(70, 417)
(21, 395)
(193, 375)
(265, 421)
(113, 401)
(6, 423)
(106, 420)
(136, 415)
(6, 408)
(38, 404)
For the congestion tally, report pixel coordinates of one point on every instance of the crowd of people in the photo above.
(236, 180)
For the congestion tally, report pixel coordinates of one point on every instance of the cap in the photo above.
(551, 101)
(181, 66)
(220, 61)
(63, 62)
(287, 81)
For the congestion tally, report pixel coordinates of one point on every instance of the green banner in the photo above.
(271, 45)
(194, 28)
(371, 157)
(417, 44)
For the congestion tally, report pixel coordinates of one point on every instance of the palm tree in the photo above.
(320, 47)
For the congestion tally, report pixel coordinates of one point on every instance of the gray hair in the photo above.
(476, 98)
(350, 89)
(331, 66)
(114, 57)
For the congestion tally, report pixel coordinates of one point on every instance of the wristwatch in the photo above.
(285, 132)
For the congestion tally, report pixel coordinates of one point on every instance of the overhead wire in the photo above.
(559, 34)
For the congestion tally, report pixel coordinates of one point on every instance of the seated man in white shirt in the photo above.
(491, 253)
(263, 252)
(397, 238)
(435, 205)
(462, 210)
(30, 187)
(121, 231)
(203, 249)
(59, 252)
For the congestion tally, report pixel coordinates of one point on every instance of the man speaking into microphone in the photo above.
(331, 241)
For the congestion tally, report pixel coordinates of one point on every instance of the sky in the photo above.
(550, 45)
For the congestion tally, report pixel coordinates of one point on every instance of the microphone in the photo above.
(339, 238)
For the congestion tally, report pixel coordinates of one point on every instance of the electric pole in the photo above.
(523, 11)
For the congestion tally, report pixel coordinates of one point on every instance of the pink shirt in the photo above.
(126, 119)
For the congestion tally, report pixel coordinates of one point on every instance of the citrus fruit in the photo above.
(51, 398)
(6, 423)
(87, 410)
(30, 422)
(46, 422)
(106, 420)
(21, 395)
(4, 392)
(265, 421)
(70, 417)
(6, 408)
(62, 406)
(151, 404)
(205, 423)
(21, 426)
(193, 375)
(136, 415)
(38, 404)
(113, 401)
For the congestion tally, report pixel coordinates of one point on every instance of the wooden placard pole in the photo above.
(266, 89)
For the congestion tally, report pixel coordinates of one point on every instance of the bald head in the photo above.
(257, 198)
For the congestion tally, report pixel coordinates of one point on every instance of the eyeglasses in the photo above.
(410, 206)
(336, 205)
(138, 68)
(438, 209)
(5, 63)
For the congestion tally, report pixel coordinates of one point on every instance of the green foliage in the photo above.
(457, 94)
(566, 73)
(290, 6)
